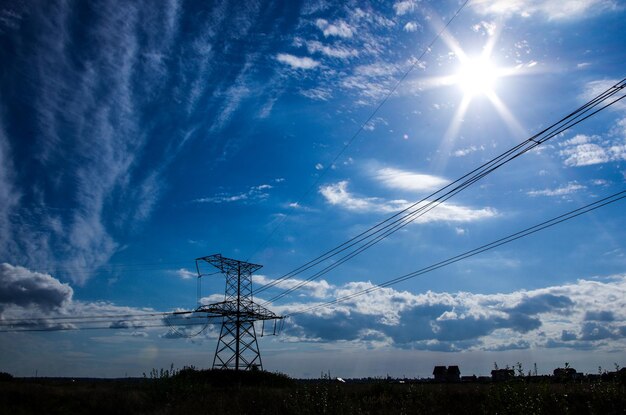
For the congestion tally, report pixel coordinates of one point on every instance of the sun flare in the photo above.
(477, 77)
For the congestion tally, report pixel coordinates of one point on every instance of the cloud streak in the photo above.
(337, 194)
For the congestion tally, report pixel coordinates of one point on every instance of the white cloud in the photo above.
(594, 88)
(468, 321)
(315, 289)
(407, 180)
(339, 52)
(30, 299)
(185, 274)
(340, 28)
(253, 194)
(9, 197)
(297, 62)
(462, 152)
(89, 112)
(338, 195)
(318, 94)
(411, 27)
(584, 150)
(404, 7)
(371, 124)
(568, 189)
(552, 9)
(488, 28)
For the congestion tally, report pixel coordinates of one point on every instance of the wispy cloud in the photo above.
(185, 274)
(337, 194)
(253, 194)
(315, 289)
(406, 180)
(339, 52)
(296, 62)
(99, 149)
(556, 10)
(462, 152)
(318, 94)
(339, 28)
(565, 190)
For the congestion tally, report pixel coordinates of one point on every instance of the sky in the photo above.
(138, 136)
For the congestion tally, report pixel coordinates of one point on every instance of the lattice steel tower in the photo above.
(237, 347)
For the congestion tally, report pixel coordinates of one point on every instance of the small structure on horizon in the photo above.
(501, 375)
(447, 374)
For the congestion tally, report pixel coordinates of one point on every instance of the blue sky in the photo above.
(137, 137)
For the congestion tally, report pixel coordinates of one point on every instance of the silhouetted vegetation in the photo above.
(212, 391)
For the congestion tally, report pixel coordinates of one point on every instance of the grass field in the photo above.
(193, 392)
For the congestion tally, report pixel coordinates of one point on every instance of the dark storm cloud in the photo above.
(24, 288)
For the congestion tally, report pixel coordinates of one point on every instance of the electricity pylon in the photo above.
(237, 347)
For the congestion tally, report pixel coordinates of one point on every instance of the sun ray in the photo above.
(511, 122)
(443, 152)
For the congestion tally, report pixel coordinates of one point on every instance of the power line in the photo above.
(393, 89)
(68, 328)
(499, 242)
(100, 316)
(407, 215)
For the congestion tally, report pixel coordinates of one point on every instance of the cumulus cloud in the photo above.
(24, 288)
(404, 7)
(35, 300)
(587, 150)
(548, 317)
(337, 194)
(411, 27)
(556, 10)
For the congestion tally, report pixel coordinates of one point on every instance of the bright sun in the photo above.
(477, 77)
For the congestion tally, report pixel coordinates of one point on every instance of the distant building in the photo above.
(440, 373)
(454, 374)
(501, 375)
(449, 374)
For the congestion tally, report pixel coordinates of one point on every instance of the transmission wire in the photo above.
(477, 173)
(502, 241)
(323, 173)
